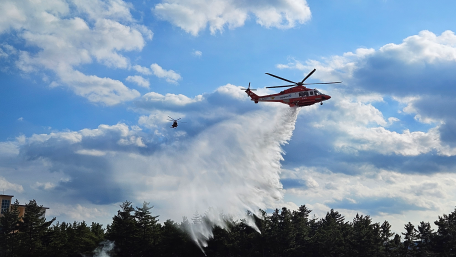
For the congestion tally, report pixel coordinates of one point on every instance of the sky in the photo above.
(87, 88)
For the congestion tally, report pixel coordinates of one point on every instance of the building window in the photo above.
(5, 205)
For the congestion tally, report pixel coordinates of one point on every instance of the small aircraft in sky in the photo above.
(174, 122)
(296, 96)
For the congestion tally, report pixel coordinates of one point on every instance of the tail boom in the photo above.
(252, 95)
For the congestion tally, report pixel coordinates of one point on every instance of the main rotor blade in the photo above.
(251, 89)
(281, 78)
(283, 86)
(322, 83)
(308, 75)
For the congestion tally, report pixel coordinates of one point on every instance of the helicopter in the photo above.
(174, 122)
(296, 96)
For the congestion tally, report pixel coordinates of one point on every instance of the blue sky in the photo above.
(87, 87)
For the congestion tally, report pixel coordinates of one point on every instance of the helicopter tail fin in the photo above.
(252, 95)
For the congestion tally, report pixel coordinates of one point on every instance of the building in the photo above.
(6, 205)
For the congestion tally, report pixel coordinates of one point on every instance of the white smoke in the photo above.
(104, 249)
(225, 171)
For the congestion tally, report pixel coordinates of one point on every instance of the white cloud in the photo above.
(170, 99)
(78, 212)
(158, 118)
(170, 75)
(197, 53)
(142, 70)
(140, 81)
(7, 50)
(8, 149)
(96, 89)
(113, 9)
(378, 193)
(362, 127)
(233, 91)
(66, 41)
(132, 140)
(411, 72)
(394, 69)
(91, 152)
(6, 185)
(44, 186)
(195, 15)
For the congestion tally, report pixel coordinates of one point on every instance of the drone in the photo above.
(174, 122)
(296, 96)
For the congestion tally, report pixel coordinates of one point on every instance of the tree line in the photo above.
(136, 232)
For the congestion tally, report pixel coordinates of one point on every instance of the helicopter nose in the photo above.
(325, 97)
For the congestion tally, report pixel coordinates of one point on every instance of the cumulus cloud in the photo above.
(401, 70)
(197, 53)
(7, 50)
(194, 16)
(140, 81)
(6, 185)
(65, 40)
(96, 89)
(171, 99)
(158, 118)
(233, 91)
(83, 211)
(379, 147)
(380, 193)
(142, 70)
(170, 75)
(44, 186)
(410, 73)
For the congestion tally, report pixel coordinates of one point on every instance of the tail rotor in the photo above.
(248, 89)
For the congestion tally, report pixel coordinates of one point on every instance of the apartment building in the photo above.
(6, 205)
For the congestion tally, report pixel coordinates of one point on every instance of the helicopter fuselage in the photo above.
(295, 97)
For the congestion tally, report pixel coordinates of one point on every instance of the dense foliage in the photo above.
(136, 232)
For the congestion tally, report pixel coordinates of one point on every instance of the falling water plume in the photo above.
(227, 170)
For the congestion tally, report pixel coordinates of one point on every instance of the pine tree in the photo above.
(410, 240)
(365, 237)
(286, 232)
(424, 239)
(445, 237)
(329, 238)
(396, 246)
(59, 240)
(385, 235)
(9, 225)
(124, 231)
(34, 230)
(300, 220)
(148, 228)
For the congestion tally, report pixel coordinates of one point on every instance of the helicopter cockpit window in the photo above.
(317, 93)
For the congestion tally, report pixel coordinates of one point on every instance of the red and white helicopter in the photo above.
(297, 96)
